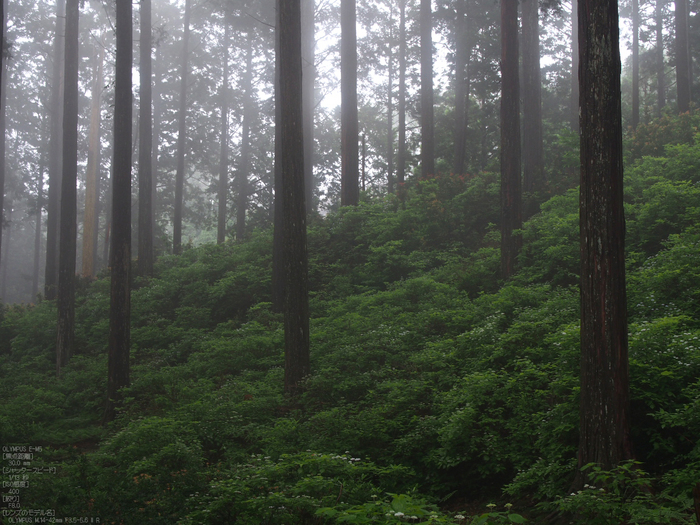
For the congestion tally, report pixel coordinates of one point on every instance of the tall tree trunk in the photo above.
(108, 215)
(55, 154)
(296, 303)
(6, 253)
(120, 293)
(37, 223)
(635, 64)
(574, 67)
(533, 155)
(308, 51)
(157, 113)
(401, 146)
(65, 300)
(223, 156)
(390, 104)
(278, 270)
(426, 90)
(462, 53)
(350, 155)
(90, 221)
(511, 199)
(3, 103)
(660, 66)
(244, 168)
(682, 58)
(181, 134)
(604, 416)
(364, 160)
(145, 239)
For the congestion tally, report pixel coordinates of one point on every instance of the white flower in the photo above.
(399, 514)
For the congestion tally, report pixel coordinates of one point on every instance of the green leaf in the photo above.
(516, 518)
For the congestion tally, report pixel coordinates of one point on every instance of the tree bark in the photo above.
(244, 167)
(108, 216)
(278, 270)
(308, 51)
(157, 112)
(635, 64)
(3, 102)
(682, 58)
(65, 336)
(350, 154)
(604, 416)
(533, 154)
(120, 259)
(390, 105)
(401, 146)
(223, 156)
(660, 66)
(574, 67)
(511, 194)
(426, 90)
(296, 303)
(462, 54)
(90, 220)
(37, 223)
(181, 136)
(55, 155)
(5, 254)
(145, 240)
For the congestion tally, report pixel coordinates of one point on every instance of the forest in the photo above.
(313, 262)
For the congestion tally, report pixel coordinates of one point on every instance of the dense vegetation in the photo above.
(437, 395)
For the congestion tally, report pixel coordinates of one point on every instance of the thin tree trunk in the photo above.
(55, 155)
(364, 161)
(108, 216)
(145, 173)
(181, 134)
(120, 294)
(223, 156)
(426, 90)
(511, 205)
(65, 334)
(157, 112)
(6, 252)
(296, 310)
(278, 270)
(682, 58)
(308, 50)
(90, 220)
(604, 416)
(3, 103)
(635, 64)
(660, 66)
(461, 95)
(401, 156)
(574, 67)
(37, 223)
(244, 168)
(390, 105)
(533, 155)
(350, 155)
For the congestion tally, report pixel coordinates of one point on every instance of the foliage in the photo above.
(290, 489)
(650, 140)
(446, 384)
(624, 495)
